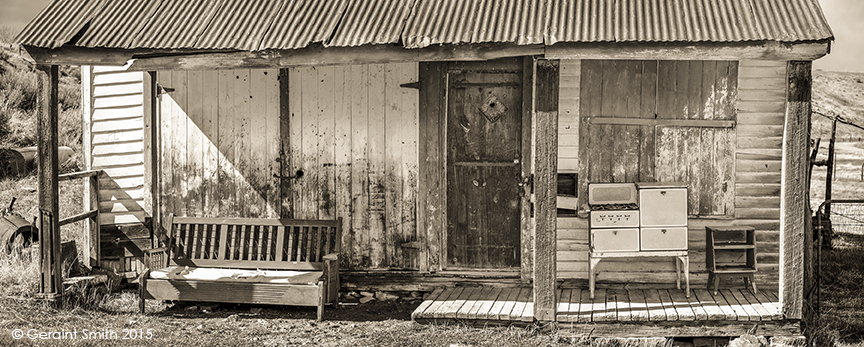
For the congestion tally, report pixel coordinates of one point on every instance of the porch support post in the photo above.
(793, 201)
(545, 188)
(51, 284)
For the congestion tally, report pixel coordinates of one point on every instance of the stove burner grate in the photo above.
(614, 207)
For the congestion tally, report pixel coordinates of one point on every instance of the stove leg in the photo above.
(592, 266)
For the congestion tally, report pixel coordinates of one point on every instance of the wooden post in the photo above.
(430, 212)
(51, 286)
(793, 201)
(829, 172)
(151, 155)
(526, 221)
(87, 152)
(95, 223)
(545, 188)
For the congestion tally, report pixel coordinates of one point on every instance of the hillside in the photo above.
(843, 94)
(19, 89)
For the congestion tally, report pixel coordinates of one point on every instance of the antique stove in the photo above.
(638, 220)
(633, 217)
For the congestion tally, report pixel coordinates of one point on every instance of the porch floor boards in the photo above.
(514, 304)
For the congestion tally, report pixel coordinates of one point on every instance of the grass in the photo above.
(842, 319)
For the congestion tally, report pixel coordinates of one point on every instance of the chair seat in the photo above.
(237, 275)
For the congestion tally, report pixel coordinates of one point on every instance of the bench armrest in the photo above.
(331, 272)
(156, 258)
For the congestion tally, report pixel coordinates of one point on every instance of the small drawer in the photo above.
(664, 239)
(615, 240)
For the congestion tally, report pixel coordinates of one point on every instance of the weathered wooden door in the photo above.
(484, 133)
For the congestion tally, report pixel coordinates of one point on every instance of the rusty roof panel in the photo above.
(177, 24)
(685, 20)
(372, 22)
(301, 22)
(117, 23)
(58, 23)
(468, 21)
(240, 25)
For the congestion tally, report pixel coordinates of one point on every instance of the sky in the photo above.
(844, 16)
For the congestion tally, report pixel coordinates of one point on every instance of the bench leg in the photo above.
(322, 292)
(142, 288)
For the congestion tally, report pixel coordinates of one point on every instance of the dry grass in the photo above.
(842, 319)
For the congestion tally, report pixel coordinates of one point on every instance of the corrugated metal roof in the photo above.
(302, 22)
(117, 23)
(58, 23)
(240, 25)
(469, 21)
(372, 22)
(177, 24)
(685, 20)
(291, 24)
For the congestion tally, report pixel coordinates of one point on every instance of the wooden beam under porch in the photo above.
(616, 312)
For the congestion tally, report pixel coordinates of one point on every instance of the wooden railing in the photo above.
(91, 211)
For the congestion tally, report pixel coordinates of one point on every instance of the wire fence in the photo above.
(847, 218)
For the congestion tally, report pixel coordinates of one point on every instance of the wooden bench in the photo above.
(251, 261)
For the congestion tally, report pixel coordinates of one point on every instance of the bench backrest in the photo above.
(249, 243)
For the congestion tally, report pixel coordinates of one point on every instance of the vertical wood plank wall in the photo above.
(220, 143)
(354, 133)
(115, 141)
(758, 145)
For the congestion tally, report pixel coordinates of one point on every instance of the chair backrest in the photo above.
(249, 243)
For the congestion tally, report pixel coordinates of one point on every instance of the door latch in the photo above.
(298, 174)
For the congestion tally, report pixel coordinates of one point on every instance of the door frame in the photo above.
(432, 218)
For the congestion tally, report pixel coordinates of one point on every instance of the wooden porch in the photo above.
(618, 312)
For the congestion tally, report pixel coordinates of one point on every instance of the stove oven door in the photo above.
(615, 240)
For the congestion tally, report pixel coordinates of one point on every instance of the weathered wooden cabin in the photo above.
(443, 132)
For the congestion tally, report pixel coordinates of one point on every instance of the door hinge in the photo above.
(527, 184)
(412, 85)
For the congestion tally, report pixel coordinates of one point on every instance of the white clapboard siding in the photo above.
(115, 140)
(568, 115)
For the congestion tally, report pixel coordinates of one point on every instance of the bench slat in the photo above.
(213, 232)
(253, 221)
(223, 238)
(280, 244)
(251, 264)
(195, 245)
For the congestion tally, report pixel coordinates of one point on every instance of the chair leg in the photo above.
(716, 283)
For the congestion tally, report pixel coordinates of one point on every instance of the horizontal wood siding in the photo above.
(755, 142)
(353, 134)
(761, 113)
(220, 143)
(116, 141)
